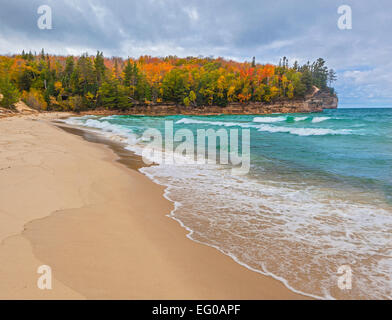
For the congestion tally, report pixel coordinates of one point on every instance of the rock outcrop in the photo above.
(315, 102)
(17, 109)
(22, 108)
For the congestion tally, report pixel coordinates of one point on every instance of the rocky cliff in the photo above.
(315, 102)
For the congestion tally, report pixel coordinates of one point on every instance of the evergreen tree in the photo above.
(68, 72)
(114, 96)
(296, 66)
(331, 76)
(128, 74)
(173, 86)
(306, 80)
(100, 69)
(86, 81)
(25, 80)
(9, 91)
(319, 73)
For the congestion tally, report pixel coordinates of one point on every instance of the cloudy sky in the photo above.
(299, 29)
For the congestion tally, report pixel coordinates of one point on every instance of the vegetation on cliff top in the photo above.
(49, 82)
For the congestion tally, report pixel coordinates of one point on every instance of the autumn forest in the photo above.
(49, 82)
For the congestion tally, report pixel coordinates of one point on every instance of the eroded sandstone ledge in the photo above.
(315, 102)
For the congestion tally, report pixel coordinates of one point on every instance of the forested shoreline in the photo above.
(69, 83)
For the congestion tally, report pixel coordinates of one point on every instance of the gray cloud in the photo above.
(300, 29)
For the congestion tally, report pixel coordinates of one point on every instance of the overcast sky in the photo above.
(298, 29)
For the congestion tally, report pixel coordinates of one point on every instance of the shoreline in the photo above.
(164, 264)
(134, 162)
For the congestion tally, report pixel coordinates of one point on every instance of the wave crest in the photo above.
(269, 119)
(320, 119)
(271, 128)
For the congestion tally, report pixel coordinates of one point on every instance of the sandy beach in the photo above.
(101, 227)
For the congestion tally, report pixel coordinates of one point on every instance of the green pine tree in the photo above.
(9, 91)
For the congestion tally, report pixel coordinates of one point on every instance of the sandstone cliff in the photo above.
(315, 102)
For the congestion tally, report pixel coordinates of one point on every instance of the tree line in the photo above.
(50, 82)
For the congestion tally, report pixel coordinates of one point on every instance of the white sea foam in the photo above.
(296, 233)
(126, 135)
(278, 119)
(112, 131)
(77, 120)
(271, 128)
(320, 119)
(98, 124)
(303, 131)
(300, 118)
(214, 123)
(269, 119)
(109, 117)
(290, 231)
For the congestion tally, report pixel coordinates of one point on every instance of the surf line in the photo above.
(229, 147)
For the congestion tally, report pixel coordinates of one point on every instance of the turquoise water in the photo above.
(318, 195)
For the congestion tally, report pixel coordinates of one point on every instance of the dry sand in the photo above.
(100, 226)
